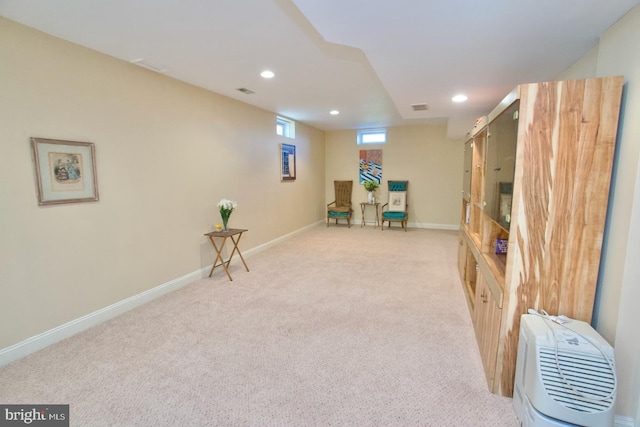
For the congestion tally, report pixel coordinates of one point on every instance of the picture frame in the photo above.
(287, 162)
(397, 201)
(65, 171)
(370, 166)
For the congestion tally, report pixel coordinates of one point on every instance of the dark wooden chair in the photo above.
(397, 207)
(341, 208)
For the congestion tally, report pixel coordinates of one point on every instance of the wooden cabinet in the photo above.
(468, 267)
(540, 180)
(463, 254)
(486, 322)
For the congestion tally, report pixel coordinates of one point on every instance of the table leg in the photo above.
(362, 209)
(219, 257)
(237, 249)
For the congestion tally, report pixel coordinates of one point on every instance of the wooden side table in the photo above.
(363, 207)
(235, 234)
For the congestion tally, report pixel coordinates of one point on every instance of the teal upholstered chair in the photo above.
(396, 209)
(340, 208)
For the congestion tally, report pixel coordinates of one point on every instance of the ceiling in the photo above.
(369, 59)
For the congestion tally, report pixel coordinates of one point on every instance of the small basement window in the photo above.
(372, 136)
(285, 127)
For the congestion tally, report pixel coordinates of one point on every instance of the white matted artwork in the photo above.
(397, 201)
(65, 171)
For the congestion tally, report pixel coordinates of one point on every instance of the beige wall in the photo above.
(617, 316)
(583, 68)
(166, 151)
(618, 54)
(421, 154)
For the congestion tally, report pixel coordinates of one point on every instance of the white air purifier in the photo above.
(565, 374)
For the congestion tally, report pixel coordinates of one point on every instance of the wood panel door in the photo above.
(486, 322)
(462, 257)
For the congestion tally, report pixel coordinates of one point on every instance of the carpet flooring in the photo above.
(336, 326)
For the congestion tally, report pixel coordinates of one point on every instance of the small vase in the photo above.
(370, 197)
(224, 224)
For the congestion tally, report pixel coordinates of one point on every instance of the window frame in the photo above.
(363, 133)
(288, 127)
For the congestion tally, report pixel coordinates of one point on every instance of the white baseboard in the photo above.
(275, 241)
(455, 227)
(620, 421)
(431, 226)
(52, 336)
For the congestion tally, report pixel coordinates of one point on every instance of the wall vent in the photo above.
(420, 107)
(153, 66)
(245, 91)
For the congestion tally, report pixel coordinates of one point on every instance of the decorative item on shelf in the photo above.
(371, 187)
(226, 207)
(502, 246)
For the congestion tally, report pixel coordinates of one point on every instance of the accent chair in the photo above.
(397, 208)
(341, 208)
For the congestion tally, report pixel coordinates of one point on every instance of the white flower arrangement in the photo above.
(227, 205)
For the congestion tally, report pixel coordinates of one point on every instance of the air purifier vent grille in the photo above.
(588, 384)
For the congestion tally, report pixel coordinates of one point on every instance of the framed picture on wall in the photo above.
(65, 171)
(370, 166)
(287, 162)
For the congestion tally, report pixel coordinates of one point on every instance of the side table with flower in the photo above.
(223, 233)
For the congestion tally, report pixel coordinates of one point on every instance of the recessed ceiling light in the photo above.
(459, 98)
(334, 112)
(267, 74)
